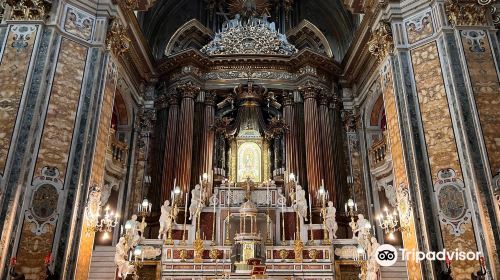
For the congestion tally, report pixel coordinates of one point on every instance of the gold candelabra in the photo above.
(326, 237)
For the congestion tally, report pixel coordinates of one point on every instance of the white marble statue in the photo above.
(331, 223)
(360, 229)
(196, 201)
(372, 267)
(124, 267)
(166, 218)
(134, 230)
(300, 203)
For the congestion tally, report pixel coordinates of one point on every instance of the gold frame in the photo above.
(263, 145)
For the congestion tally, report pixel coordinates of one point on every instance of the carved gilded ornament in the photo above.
(188, 90)
(29, 9)
(381, 42)
(467, 13)
(117, 40)
(310, 90)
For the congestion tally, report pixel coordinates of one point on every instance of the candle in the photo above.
(186, 204)
(345, 207)
(175, 181)
(310, 211)
(121, 229)
(323, 183)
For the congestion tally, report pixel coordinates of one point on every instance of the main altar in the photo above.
(256, 198)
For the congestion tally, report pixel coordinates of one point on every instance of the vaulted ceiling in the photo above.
(161, 21)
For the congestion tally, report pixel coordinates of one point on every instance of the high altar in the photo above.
(249, 215)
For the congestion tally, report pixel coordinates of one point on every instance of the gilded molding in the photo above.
(467, 13)
(381, 41)
(117, 40)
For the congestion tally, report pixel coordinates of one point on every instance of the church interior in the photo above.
(249, 139)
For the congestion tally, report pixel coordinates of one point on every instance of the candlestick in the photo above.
(311, 241)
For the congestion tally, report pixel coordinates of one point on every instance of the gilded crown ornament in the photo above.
(242, 36)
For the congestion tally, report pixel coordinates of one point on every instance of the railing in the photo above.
(378, 152)
(117, 149)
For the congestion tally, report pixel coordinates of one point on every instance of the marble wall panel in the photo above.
(399, 166)
(440, 142)
(486, 87)
(14, 65)
(61, 113)
(98, 165)
(54, 149)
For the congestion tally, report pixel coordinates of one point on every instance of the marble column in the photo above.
(291, 149)
(208, 136)
(337, 135)
(184, 143)
(169, 156)
(327, 145)
(314, 157)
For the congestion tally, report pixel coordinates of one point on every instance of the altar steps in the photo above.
(103, 266)
(395, 272)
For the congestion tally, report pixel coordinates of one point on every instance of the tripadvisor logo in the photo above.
(386, 255)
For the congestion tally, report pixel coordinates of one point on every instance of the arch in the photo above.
(192, 34)
(120, 111)
(375, 109)
(308, 35)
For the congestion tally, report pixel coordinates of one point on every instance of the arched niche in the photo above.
(192, 35)
(307, 35)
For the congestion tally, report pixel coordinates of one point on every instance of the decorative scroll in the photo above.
(450, 192)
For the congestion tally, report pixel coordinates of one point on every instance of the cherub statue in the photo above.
(124, 267)
(196, 201)
(134, 231)
(331, 223)
(166, 218)
(300, 203)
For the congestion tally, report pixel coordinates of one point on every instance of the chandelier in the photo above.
(388, 222)
(93, 214)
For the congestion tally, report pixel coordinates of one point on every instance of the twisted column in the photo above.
(314, 157)
(327, 145)
(184, 157)
(171, 137)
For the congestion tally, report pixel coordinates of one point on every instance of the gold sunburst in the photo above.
(248, 8)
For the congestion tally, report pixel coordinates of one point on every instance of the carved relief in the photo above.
(346, 252)
(466, 14)
(419, 28)
(44, 201)
(381, 42)
(475, 40)
(79, 23)
(450, 192)
(404, 206)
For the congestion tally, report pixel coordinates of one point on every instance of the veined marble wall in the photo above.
(399, 167)
(98, 166)
(15, 54)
